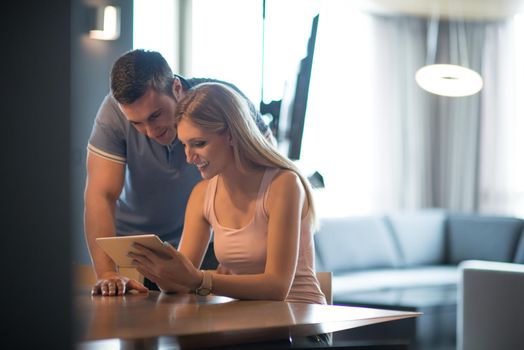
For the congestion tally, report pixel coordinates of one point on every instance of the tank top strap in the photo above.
(209, 199)
(263, 191)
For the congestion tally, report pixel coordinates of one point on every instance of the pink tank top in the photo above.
(243, 250)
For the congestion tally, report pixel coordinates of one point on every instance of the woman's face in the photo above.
(212, 153)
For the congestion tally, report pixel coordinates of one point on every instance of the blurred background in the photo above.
(378, 140)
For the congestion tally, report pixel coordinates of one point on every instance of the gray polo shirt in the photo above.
(158, 181)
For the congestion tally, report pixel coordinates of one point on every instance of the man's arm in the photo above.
(105, 179)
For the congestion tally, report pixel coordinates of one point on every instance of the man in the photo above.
(138, 180)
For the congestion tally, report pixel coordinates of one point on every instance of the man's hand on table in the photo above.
(113, 284)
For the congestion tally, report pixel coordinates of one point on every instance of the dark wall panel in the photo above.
(35, 80)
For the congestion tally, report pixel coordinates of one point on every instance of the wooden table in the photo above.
(147, 321)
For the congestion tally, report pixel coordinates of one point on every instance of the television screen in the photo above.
(291, 117)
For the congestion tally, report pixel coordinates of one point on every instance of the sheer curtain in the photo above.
(428, 143)
(456, 162)
(501, 188)
(384, 144)
(370, 130)
(405, 114)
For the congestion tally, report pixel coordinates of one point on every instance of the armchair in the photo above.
(490, 306)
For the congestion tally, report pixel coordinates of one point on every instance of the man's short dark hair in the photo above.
(137, 71)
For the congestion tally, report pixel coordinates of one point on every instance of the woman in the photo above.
(255, 200)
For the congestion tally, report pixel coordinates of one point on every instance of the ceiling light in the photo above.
(447, 72)
(449, 80)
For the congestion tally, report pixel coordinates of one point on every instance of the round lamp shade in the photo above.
(449, 80)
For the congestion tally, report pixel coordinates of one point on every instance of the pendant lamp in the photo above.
(452, 78)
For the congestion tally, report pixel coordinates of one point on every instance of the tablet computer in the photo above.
(118, 247)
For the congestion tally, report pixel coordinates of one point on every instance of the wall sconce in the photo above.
(108, 19)
(453, 78)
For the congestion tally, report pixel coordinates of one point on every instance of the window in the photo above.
(363, 101)
(154, 28)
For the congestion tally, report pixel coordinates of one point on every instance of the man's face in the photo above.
(153, 115)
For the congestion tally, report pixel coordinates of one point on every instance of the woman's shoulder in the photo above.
(285, 176)
(285, 188)
(285, 181)
(200, 188)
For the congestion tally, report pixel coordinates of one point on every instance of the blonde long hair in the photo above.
(216, 108)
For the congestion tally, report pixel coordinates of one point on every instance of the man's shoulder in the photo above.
(111, 128)
(192, 82)
(110, 114)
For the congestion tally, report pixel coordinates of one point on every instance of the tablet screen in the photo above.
(118, 247)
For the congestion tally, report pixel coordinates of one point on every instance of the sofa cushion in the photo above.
(420, 236)
(480, 237)
(519, 254)
(345, 244)
(392, 279)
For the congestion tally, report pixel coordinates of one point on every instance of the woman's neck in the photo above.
(242, 181)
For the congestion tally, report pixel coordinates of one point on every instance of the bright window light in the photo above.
(339, 142)
(154, 28)
(226, 43)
